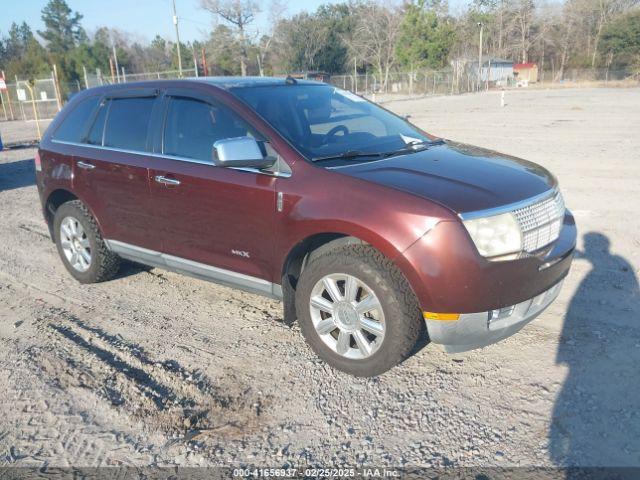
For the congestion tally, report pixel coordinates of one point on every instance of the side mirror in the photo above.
(239, 152)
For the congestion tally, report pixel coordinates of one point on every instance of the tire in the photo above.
(397, 318)
(102, 264)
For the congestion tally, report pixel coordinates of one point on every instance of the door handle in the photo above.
(85, 165)
(166, 181)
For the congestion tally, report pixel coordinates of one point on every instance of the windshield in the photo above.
(323, 122)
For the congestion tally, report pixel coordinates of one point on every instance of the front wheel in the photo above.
(357, 311)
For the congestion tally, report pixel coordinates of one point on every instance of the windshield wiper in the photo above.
(412, 147)
(348, 155)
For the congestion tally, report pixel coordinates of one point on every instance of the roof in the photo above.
(487, 59)
(245, 82)
(522, 66)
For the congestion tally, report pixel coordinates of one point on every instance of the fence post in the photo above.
(124, 76)
(4, 109)
(86, 78)
(24, 118)
(35, 110)
(8, 97)
(56, 86)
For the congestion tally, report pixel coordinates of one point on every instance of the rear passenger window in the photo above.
(128, 122)
(75, 123)
(97, 129)
(192, 127)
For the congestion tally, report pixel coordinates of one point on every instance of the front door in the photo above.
(211, 216)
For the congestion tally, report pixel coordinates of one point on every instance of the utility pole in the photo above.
(115, 60)
(195, 60)
(481, 25)
(355, 75)
(175, 22)
(205, 69)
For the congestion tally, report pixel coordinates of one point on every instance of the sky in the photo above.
(143, 18)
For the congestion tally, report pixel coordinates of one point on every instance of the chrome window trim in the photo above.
(195, 269)
(490, 212)
(170, 157)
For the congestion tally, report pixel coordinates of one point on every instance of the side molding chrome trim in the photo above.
(195, 269)
(169, 157)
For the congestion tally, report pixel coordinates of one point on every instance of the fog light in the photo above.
(501, 313)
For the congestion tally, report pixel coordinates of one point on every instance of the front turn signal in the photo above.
(440, 316)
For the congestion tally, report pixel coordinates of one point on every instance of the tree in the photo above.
(301, 39)
(523, 18)
(425, 39)
(621, 40)
(276, 12)
(223, 52)
(63, 30)
(376, 32)
(240, 14)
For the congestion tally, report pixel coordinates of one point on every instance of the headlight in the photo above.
(496, 236)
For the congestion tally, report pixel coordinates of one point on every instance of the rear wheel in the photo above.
(80, 244)
(357, 311)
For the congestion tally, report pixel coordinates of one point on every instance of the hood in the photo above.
(461, 177)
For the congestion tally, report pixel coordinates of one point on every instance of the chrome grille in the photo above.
(541, 222)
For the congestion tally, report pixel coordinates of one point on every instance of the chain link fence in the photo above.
(465, 80)
(443, 82)
(43, 98)
(98, 78)
(27, 100)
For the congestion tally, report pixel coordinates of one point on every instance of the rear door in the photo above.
(111, 168)
(216, 216)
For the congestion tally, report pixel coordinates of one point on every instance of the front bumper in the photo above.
(476, 330)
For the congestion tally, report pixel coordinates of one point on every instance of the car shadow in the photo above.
(596, 419)
(129, 268)
(17, 174)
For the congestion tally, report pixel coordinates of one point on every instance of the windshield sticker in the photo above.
(410, 140)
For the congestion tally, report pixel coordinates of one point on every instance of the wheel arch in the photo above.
(305, 251)
(58, 197)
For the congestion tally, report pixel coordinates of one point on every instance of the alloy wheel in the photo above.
(75, 244)
(347, 315)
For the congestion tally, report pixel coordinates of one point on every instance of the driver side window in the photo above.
(193, 126)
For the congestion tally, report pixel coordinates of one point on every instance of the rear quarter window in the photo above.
(75, 122)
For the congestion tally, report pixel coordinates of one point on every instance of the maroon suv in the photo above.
(367, 228)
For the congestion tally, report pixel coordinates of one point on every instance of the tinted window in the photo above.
(192, 127)
(75, 123)
(128, 122)
(324, 121)
(97, 129)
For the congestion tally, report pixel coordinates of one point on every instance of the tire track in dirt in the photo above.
(169, 397)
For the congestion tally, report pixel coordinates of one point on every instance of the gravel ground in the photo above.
(19, 132)
(155, 368)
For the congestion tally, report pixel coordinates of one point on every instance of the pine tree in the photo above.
(63, 30)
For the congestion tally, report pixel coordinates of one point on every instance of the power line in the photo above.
(175, 22)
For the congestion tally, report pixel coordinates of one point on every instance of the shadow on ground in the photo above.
(596, 419)
(17, 174)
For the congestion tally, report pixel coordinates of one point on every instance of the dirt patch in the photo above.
(167, 396)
